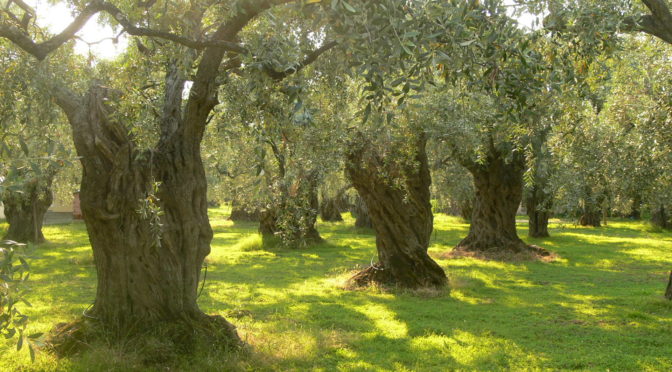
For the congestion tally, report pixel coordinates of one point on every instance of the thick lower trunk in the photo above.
(402, 219)
(240, 212)
(24, 211)
(499, 190)
(466, 208)
(591, 217)
(147, 220)
(636, 209)
(330, 208)
(537, 204)
(660, 218)
(668, 290)
(361, 214)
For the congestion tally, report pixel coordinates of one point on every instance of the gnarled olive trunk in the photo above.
(591, 213)
(361, 214)
(240, 212)
(147, 219)
(466, 208)
(591, 217)
(402, 218)
(330, 211)
(499, 190)
(24, 211)
(538, 203)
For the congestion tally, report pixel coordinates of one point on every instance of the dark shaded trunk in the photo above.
(538, 203)
(591, 213)
(361, 214)
(499, 190)
(241, 212)
(402, 218)
(660, 218)
(668, 290)
(331, 208)
(636, 209)
(591, 217)
(24, 211)
(466, 208)
(330, 211)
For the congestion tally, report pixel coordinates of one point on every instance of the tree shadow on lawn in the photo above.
(583, 312)
(573, 314)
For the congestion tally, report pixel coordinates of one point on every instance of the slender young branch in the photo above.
(310, 58)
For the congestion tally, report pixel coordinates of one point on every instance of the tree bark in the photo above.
(329, 210)
(636, 209)
(591, 217)
(361, 214)
(466, 208)
(538, 205)
(668, 290)
(25, 210)
(147, 219)
(499, 190)
(240, 212)
(402, 218)
(660, 218)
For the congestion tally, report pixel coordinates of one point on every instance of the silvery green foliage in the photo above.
(14, 274)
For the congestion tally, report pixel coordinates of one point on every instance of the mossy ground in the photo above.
(598, 307)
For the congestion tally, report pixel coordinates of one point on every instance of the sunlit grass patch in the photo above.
(600, 307)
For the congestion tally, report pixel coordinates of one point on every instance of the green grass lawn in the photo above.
(599, 307)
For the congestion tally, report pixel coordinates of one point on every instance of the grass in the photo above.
(599, 307)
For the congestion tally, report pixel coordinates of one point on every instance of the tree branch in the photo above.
(310, 58)
(658, 23)
(41, 50)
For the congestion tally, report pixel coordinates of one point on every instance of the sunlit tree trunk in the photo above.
(146, 215)
(402, 219)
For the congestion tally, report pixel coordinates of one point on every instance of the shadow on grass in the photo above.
(599, 307)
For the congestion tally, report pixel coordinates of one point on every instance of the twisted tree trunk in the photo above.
(25, 210)
(146, 211)
(499, 190)
(402, 219)
(330, 211)
(146, 215)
